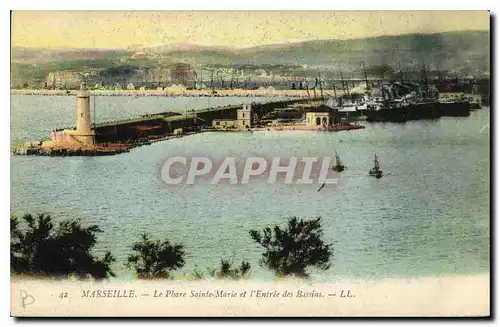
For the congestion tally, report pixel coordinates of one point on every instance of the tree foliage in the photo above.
(198, 274)
(228, 271)
(154, 258)
(118, 71)
(290, 251)
(42, 249)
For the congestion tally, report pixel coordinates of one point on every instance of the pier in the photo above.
(160, 125)
(119, 136)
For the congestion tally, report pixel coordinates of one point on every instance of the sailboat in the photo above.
(339, 166)
(375, 171)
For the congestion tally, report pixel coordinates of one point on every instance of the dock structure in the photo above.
(162, 124)
(114, 137)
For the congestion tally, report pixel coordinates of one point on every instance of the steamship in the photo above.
(400, 102)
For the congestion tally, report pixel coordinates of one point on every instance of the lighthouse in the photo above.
(83, 132)
(82, 137)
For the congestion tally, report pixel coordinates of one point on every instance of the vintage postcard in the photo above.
(250, 163)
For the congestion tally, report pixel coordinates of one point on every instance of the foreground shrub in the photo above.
(290, 251)
(42, 249)
(227, 270)
(155, 259)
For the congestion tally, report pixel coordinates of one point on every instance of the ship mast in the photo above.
(400, 72)
(247, 83)
(314, 88)
(221, 82)
(307, 87)
(195, 80)
(320, 85)
(424, 73)
(212, 82)
(343, 86)
(201, 78)
(216, 77)
(366, 77)
(381, 84)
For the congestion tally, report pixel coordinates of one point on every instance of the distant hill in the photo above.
(446, 51)
(41, 55)
(177, 47)
(465, 51)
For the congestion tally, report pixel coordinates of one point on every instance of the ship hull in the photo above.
(432, 110)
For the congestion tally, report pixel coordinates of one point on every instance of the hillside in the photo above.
(465, 52)
(446, 51)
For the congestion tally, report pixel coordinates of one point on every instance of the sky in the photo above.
(240, 29)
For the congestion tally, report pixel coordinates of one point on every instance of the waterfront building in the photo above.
(245, 117)
(321, 116)
(64, 79)
(224, 123)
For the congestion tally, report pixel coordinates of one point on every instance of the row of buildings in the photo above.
(160, 78)
(128, 77)
(119, 78)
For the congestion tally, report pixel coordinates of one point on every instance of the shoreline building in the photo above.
(244, 119)
(244, 116)
(322, 116)
(82, 137)
(63, 79)
(223, 123)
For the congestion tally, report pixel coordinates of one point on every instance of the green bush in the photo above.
(227, 271)
(155, 259)
(292, 250)
(41, 249)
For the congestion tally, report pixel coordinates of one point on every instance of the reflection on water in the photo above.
(428, 215)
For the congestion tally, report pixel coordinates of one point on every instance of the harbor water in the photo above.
(428, 216)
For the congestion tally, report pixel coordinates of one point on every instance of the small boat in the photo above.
(375, 171)
(339, 166)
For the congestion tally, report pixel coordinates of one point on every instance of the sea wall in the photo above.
(194, 93)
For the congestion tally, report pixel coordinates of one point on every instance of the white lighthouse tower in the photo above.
(83, 133)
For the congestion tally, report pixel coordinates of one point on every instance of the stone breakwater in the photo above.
(208, 93)
(185, 93)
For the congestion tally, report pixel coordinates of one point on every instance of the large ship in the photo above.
(400, 102)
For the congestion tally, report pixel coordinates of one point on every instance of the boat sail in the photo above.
(339, 166)
(375, 171)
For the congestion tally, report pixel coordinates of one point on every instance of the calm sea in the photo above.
(429, 214)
